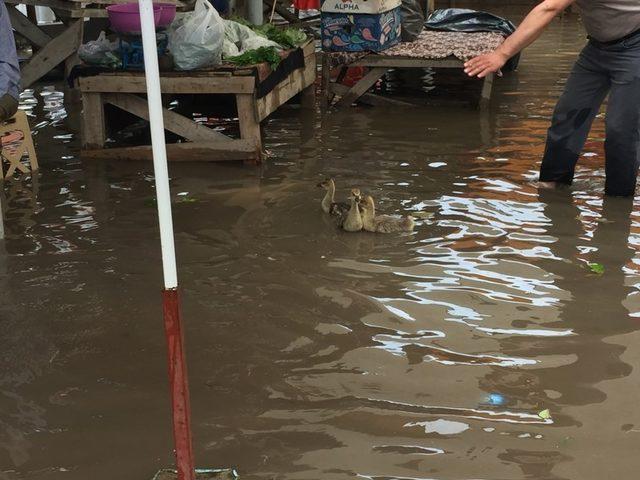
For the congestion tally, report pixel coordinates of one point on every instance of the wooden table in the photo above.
(49, 52)
(123, 89)
(378, 66)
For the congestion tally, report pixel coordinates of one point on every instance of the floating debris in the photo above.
(596, 268)
(545, 414)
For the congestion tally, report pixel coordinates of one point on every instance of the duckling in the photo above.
(383, 223)
(329, 204)
(353, 220)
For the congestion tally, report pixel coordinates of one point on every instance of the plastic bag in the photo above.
(412, 20)
(243, 39)
(100, 52)
(197, 41)
(465, 20)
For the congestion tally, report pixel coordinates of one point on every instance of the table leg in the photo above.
(248, 118)
(93, 125)
(362, 86)
(487, 87)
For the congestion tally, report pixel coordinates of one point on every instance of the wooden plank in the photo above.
(370, 98)
(327, 96)
(297, 81)
(309, 48)
(173, 121)
(57, 4)
(248, 118)
(93, 125)
(54, 53)
(178, 3)
(282, 11)
(362, 86)
(169, 84)
(27, 29)
(373, 60)
(180, 152)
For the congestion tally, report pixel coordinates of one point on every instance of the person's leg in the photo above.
(622, 144)
(8, 107)
(584, 92)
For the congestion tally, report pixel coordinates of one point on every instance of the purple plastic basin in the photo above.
(125, 18)
(167, 14)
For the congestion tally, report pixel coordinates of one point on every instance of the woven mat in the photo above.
(432, 45)
(435, 45)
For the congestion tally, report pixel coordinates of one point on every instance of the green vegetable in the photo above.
(287, 37)
(596, 268)
(260, 55)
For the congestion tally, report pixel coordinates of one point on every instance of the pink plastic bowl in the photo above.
(167, 14)
(125, 18)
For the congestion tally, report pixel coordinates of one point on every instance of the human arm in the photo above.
(529, 30)
(9, 67)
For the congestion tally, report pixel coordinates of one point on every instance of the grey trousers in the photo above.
(600, 69)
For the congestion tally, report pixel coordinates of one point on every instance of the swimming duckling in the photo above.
(383, 223)
(353, 220)
(329, 204)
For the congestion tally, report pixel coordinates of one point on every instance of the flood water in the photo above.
(316, 354)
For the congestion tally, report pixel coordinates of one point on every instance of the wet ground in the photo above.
(316, 354)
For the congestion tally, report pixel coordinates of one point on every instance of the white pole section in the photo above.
(154, 98)
(254, 11)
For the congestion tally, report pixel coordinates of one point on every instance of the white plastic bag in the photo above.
(239, 39)
(197, 41)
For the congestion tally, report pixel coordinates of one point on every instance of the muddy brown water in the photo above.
(315, 354)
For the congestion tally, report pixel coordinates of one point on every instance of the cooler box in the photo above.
(360, 25)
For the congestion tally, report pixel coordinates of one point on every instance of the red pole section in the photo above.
(179, 385)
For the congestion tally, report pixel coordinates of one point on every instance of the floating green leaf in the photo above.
(150, 202)
(597, 268)
(545, 414)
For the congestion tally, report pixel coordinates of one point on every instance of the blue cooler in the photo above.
(360, 25)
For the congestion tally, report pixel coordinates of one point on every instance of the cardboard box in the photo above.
(346, 32)
(359, 6)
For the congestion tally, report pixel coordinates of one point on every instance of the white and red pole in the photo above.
(170, 296)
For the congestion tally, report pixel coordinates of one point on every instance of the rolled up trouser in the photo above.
(8, 107)
(601, 69)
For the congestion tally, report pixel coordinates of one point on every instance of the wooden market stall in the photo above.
(259, 91)
(432, 49)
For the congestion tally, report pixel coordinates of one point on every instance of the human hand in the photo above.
(483, 65)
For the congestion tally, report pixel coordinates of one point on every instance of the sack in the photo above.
(465, 20)
(196, 42)
(412, 20)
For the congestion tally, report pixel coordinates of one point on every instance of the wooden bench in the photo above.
(432, 49)
(123, 89)
(378, 66)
